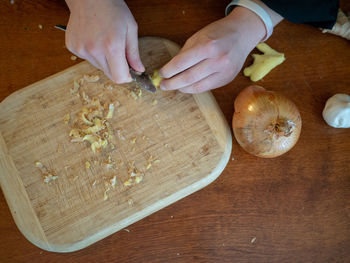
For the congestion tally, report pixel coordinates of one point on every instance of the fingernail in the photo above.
(142, 67)
(161, 86)
(129, 79)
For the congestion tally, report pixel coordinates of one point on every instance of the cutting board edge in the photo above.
(171, 199)
(24, 215)
(214, 117)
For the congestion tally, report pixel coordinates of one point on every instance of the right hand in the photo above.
(105, 34)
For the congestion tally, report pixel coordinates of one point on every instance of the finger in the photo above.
(94, 62)
(184, 60)
(97, 65)
(95, 55)
(117, 63)
(103, 65)
(84, 55)
(132, 50)
(212, 81)
(190, 76)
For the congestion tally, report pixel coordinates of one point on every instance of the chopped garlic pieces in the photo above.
(66, 118)
(133, 94)
(128, 182)
(39, 165)
(108, 185)
(85, 97)
(138, 179)
(113, 181)
(49, 176)
(85, 120)
(92, 125)
(108, 86)
(90, 138)
(105, 196)
(110, 111)
(139, 93)
(91, 78)
(110, 163)
(75, 87)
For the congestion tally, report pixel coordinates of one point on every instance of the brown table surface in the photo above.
(296, 207)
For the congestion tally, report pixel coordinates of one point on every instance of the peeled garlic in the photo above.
(337, 111)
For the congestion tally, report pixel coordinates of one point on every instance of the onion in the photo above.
(265, 123)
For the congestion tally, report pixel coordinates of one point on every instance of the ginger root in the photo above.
(156, 79)
(263, 64)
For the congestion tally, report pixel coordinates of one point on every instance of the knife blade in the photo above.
(142, 79)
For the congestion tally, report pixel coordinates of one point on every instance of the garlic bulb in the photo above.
(337, 111)
(265, 123)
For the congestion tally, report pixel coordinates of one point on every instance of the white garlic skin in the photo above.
(337, 111)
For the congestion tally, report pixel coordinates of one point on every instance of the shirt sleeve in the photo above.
(317, 13)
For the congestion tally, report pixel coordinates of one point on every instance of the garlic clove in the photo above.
(337, 111)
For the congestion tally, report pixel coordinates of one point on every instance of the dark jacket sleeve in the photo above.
(318, 13)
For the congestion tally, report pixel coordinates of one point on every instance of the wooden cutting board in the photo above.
(187, 134)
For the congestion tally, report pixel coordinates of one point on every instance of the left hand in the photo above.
(213, 56)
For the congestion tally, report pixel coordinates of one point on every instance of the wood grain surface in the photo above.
(174, 148)
(295, 208)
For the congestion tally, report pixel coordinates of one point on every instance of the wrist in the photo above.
(269, 17)
(250, 28)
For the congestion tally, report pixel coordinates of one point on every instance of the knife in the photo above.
(142, 79)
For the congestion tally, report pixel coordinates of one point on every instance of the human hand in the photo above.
(105, 34)
(213, 56)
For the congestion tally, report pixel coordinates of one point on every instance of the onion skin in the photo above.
(265, 123)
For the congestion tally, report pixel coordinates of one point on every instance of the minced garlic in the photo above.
(91, 78)
(148, 166)
(110, 111)
(113, 181)
(138, 179)
(128, 182)
(39, 165)
(92, 125)
(133, 94)
(66, 118)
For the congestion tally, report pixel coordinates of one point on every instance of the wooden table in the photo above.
(295, 208)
